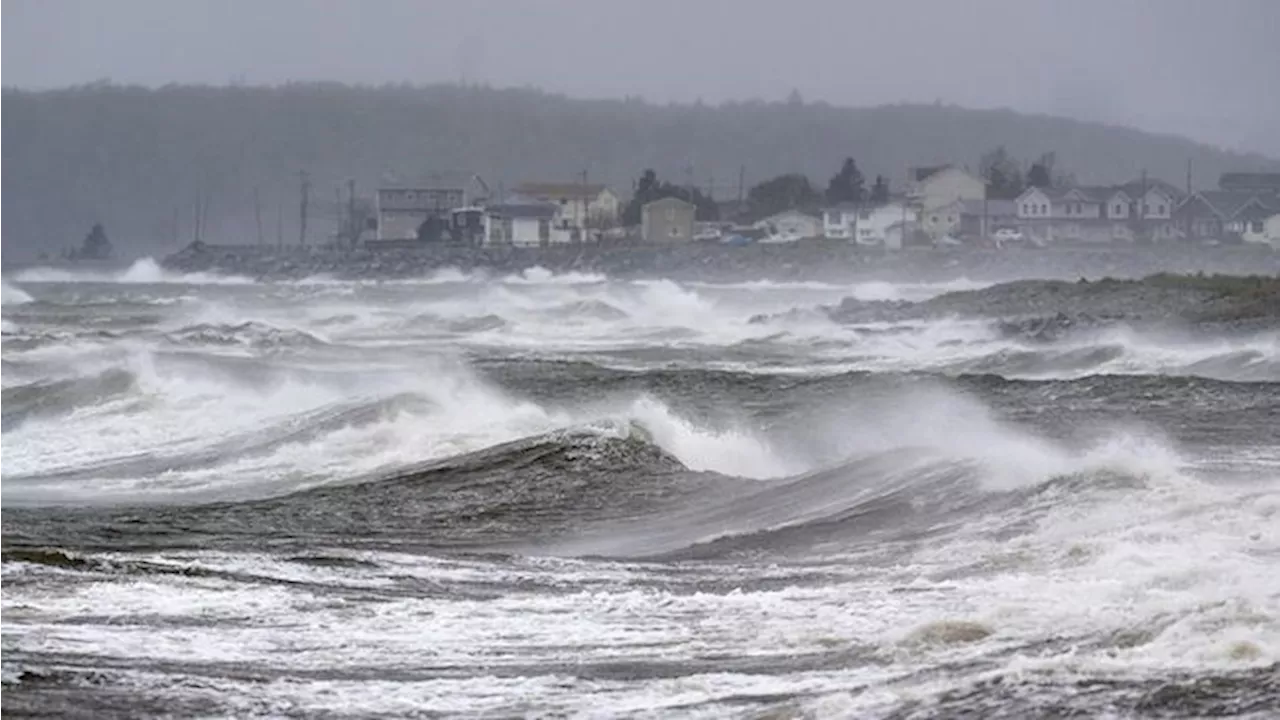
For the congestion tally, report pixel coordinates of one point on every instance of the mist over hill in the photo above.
(142, 160)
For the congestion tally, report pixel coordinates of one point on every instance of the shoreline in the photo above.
(835, 261)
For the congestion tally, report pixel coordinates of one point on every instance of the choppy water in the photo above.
(556, 495)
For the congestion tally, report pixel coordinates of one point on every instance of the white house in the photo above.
(523, 225)
(1263, 231)
(1097, 214)
(933, 187)
(883, 226)
(594, 206)
(789, 226)
(840, 222)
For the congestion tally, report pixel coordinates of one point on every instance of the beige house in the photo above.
(943, 220)
(583, 206)
(667, 220)
(934, 187)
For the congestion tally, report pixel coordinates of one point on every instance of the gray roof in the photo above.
(1227, 203)
(669, 202)
(993, 208)
(523, 210)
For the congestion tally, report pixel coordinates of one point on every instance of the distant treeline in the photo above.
(158, 166)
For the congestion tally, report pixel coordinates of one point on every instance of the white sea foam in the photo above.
(144, 271)
(1114, 563)
(13, 295)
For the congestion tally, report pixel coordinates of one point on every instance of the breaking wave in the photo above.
(145, 271)
(13, 295)
(251, 334)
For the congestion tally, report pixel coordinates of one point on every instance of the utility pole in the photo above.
(1188, 176)
(354, 231)
(305, 189)
(742, 185)
(338, 211)
(257, 213)
(279, 225)
(582, 201)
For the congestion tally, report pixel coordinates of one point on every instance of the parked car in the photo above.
(1009, 235)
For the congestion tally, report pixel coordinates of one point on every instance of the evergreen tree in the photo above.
(96, 246)
(1041, 173)
(783, 192)
(649, 188)
(880, 191)
(1003, 176)
(846, 185)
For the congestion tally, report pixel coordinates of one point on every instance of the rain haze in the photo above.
(1204, 70)
(693, 359)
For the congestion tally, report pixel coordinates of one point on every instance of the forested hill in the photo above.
(141, 160)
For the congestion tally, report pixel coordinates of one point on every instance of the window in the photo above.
(1160, 209)
(1119, 209)
(933, 219)
(1044, 209)
(1146, 208)
(1256, 226)
(1024, 209)
(951, 218)
(675, 231)
(544, 230)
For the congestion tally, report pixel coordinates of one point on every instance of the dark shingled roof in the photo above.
(523, 210)
(1226, 204)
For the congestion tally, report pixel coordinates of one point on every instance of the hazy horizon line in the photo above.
(640, 99)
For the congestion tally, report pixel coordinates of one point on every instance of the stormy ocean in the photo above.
(562, 495)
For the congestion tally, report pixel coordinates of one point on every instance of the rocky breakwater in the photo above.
(814, 260)
(1048, 310)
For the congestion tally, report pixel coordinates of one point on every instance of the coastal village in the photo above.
(942, 206)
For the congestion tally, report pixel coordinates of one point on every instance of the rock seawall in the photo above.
(811, 260)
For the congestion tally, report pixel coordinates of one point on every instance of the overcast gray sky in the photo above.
(1207, 69)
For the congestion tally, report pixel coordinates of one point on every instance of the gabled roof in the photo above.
(788, 213)
(1226, 204)
(669, 201)
(564, 190)
(920, 174)
(1134, 188)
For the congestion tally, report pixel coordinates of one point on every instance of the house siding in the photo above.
(667, 220)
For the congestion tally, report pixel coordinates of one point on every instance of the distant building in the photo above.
(789, 226)
(887, 225)
(980, 219)
(1268, 232)
(402, 211)
(942, 220)
(840, 222)
(667, 220)
(1266, 183)
(583, 206)
(932, 187)
(1218, 215)
(1098, 214)
(523, 225)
